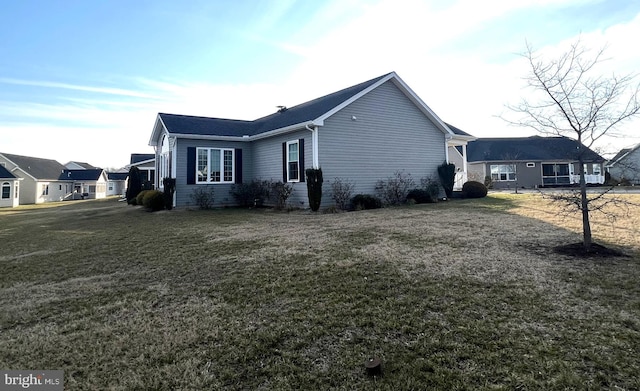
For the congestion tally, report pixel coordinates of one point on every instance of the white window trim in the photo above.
(501, 172)
(297, 142)
(221, 181)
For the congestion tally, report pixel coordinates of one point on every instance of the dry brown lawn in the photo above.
(466, 294)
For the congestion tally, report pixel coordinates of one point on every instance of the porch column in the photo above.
(314, 147)
(464, 161)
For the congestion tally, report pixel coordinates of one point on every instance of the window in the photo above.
(503, 172)
(530, 165)
(45, 189)
(293, 162)
(110, 186)
(596, 169)
(214, 165)
(585, 168)
(92, 188)
(6, 190)
(555, 174)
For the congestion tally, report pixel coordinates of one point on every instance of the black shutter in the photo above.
(301, 159)
(284, 162)
(238, 158)
(191, 166)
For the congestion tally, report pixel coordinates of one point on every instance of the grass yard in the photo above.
(463, 295)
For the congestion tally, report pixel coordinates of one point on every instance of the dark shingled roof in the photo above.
(457, 131)
(117, 176)
(534, 148)
(619, 155)
(308, 111)
(141, 157)
(81, 175)
(6, 174)
(36, 167)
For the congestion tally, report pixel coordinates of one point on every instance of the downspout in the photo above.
(314, 145)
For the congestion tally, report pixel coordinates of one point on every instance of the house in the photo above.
(146, 163)
(40, 178)
(531, 162)
(79, 166)
(625, 165)
(117, 183)
(9, 188)
(363, 133)
(87, 183)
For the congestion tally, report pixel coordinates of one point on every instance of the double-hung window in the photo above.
(503, 172)
(293, 161)
(214, 165)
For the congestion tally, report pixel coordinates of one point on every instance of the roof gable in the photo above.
(533, 148)
(6, 174)
(82, 175)
(37, 168)
(313, 112)
(623, 154)
(141, 157)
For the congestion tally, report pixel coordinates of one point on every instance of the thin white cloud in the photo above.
(75, 87)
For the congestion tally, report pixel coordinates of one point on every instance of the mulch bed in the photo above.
(596, 251)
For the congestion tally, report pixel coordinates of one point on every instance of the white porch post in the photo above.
(314, 147)
(464, 161)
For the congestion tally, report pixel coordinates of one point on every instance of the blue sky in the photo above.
(84, 80)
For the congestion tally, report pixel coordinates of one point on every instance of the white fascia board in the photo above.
(140, 163)
(157, 128)
(286, 129)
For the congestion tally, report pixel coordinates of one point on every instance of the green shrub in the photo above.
(474, 189)
(138, 199)
(153, 200)
(432, 187)
(419, 196)
(203, 197)
(447, 175)
(314, 187)
(365, 201)
(134, 186)
(252, 194)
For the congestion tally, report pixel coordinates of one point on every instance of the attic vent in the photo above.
(281, 109)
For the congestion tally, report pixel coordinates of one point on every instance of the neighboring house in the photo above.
(40, 178)
(79, 166)
(531, 162)
(117, 183)
(146, 163)
(625, 166)
(87, 183)
(9, 188)
(362, 134)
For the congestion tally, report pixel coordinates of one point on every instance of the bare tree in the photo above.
(569, 100)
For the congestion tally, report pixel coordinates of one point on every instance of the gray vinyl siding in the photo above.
(267, 162)
(389, 133)
(527, 177)
(222, 195)
(627, 168)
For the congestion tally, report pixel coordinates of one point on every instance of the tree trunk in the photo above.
(584, 207)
